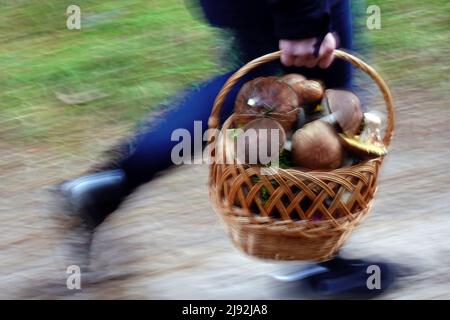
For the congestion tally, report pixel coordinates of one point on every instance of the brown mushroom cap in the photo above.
(308, 91)
(267, 97)
(251, 144)
(346, 108)
(316, 146)
(292, 78)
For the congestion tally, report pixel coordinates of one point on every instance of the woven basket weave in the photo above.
(283, 227)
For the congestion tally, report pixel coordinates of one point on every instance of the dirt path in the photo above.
(166, 242)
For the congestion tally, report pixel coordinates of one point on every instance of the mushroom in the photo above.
(369, 144)
(293, 80)
(316, 146)
(344, 109)
(371, 132)
(261, 137)
(308, 91)
(267, 97)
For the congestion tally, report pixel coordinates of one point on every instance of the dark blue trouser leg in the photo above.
(150, 151)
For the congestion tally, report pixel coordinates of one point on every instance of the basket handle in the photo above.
(214, 118)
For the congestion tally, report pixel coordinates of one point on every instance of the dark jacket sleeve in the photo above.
(300, 19)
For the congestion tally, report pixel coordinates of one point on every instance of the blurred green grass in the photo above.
(141, 51)
(412, 46)
(138, 52)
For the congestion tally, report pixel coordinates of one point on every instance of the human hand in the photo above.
(300, 53)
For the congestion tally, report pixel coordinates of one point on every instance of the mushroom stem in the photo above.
(371, 132)
(331, 119)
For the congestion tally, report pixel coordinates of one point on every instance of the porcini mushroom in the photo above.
(371, 132)
(369, 144)
(292, 78)
(261, 137)
(316, 146)
(343, 108)
(267, 97)
(308, 91)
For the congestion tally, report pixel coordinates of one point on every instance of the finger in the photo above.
(326, 61)
(326, 51)
(287, 59)
(284, 44)
(304, 58)
(327, 46)
(308, 61)
(337, 40)
(299, 61)
(311, 63)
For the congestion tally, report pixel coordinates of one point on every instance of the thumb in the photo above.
(327, 47)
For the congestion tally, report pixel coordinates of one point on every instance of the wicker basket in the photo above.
(283, 227)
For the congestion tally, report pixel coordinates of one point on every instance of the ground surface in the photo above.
(166, 241)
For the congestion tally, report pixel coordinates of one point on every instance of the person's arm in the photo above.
(300, 19)
(300, 25)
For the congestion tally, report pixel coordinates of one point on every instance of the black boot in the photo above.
(341, 278)
(352, 278)
(95, 196)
